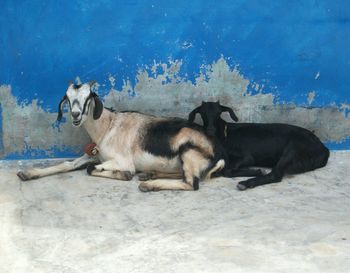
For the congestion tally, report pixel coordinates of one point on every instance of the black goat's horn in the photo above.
(192, 115)
(230, 111)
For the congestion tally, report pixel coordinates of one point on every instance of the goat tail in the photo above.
(213, 167)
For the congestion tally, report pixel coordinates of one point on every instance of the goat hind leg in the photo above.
(194, 164)
(277, 172)
(273, 177)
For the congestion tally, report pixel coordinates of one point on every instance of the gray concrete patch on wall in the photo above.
(29, 127)
(166, 93)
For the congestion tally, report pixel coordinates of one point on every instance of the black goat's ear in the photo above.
(192, 115)
(98, 106)
(60, 106)
(230, 111)
(70, 82)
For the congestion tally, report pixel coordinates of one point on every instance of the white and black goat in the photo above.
(131, 142)
(287, 149)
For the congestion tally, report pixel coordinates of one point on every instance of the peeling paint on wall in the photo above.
(168, 94)
(317, 76)
(310, 97)
(27, 127)
(256, 77)
(160, 90)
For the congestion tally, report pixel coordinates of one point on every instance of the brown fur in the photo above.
(197, 138)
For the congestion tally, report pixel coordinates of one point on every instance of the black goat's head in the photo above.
(210, 113)
(79, 97)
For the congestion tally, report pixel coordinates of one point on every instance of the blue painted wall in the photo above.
(282, 44)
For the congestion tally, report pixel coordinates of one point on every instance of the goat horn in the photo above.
(230, 111)
(192, 115)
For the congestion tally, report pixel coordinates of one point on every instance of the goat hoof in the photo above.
(196, 184)
(90, 167)
(23, 176)
(127, 175)
(145, 176)
(245, 185)
(145, 187)
(241, 187)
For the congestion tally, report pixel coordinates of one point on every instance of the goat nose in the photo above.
(75, 114)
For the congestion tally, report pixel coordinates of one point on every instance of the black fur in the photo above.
(196, 184)
(98, 106)
(287, 149)
(85, 104)
(128, 111)
(157, 138)
(77, 86)
(90, 167)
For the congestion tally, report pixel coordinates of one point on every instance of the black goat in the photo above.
(287, 149)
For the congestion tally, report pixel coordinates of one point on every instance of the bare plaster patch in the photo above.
(168, 94)
(27, 127)
(161, 90)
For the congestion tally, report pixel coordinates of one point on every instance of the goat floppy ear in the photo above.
(98, 106)
(230, 111)
(60, 106)
(192, 115)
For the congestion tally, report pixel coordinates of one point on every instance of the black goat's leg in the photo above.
(241, 172)
(277, 173)
(273, 177)
(240, 162)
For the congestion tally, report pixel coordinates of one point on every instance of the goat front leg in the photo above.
(157, 185)
(60, 168)
(152, 175)
(111, 169)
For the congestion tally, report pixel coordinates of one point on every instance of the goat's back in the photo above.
(266, 142)
(164, 137)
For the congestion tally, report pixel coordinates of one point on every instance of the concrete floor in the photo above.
(76, 223)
